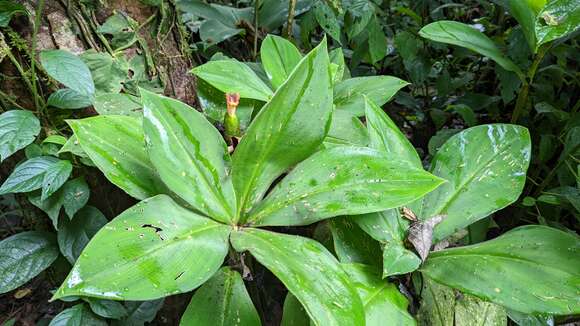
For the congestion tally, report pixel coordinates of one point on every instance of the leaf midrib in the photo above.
(164, 245)
(249, 185)
(468, 180)
(218, 196)
(276, 206)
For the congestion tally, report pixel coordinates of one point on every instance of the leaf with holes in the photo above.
(140, 244)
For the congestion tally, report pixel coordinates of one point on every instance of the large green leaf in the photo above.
(279, 57)
(154, 249)
(139, 312)
(28, 176)
(309, 272)
(443, 306)
(525, 11)
(108, 72)
(75, 195)
(293, 312)
(222, 301)
(287, 130)
(74, 235)
(486, 169)
(339, 181)
(9, 8)
(23, 256)
(390, 229)
(118, 104)
(54, 177)
(79, 315)
(557, 19)
(346, 129)
(67, 98)
(532, 269)
(189, 154)
(327, 19)
(385, 136)
(116, 145)
(69, 70)
(382, 301)
(230, 76)
(18, 128)
(349, 94)
(352, 244)
(460, 34)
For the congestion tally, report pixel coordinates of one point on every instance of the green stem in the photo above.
(522, 100)
(290, 22)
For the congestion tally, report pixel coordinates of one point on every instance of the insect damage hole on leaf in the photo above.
(157, 230)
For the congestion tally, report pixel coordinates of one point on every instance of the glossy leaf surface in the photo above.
(346, 129)
(189, 154)
(23, 256)
(18, 128)
(382, 301)
(153, 249)
(532, 269)
(557, 19)
(293, 312)
(222, 301)
(74, 235)
(67, 98)
(309, 272)
(349, 94)
(75, 195)
(69, 70)
(54, 177)
(139, 312)
(107, 308)
(79, 315)
(486, 168)
(442, 306)
(390, 229)
(279, 57)
(287, 130)
(117, 147)
(118, 104)
(230, 76)
(456, 33)
(340, 181)
(385, 136)
(28, 176)
(352, 244)
(524, 11)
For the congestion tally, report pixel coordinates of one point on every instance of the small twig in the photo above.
(290, 21)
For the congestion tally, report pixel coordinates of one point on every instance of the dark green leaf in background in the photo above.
(69, 70)
(23, 256)
(74, 235)
(18, 128)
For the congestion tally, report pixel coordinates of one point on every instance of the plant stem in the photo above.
(37, 22)
(522, 100)
(290, 22)
(256, 26)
